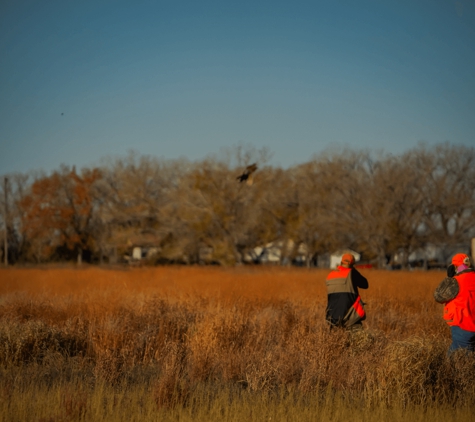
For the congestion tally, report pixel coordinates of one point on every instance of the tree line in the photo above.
(378, 204)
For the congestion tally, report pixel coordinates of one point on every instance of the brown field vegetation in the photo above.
(114, 344)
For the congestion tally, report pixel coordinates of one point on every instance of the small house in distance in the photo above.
(278, 252)
(332, 260)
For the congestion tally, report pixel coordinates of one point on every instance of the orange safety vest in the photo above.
(460, 311)
(345, 306)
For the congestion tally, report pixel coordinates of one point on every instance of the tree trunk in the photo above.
(382, 260)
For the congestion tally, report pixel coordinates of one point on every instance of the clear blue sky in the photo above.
(186, 78)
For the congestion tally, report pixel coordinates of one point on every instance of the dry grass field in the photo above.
(208, 343)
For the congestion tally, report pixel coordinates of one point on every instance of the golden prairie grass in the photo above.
(168, 336)
(277, 282)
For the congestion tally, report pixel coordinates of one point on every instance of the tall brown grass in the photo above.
(171, 332)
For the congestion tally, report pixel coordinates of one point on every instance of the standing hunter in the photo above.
(345, 307)
(457, 293)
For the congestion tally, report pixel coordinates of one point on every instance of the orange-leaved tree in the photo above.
(58, 215)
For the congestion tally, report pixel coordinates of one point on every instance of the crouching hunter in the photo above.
(345, 307)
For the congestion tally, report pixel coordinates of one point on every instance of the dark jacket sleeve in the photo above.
(451, 271)
(358, 280)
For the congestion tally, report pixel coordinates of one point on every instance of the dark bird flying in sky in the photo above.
(247, 174)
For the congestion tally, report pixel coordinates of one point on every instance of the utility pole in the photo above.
(5, 219)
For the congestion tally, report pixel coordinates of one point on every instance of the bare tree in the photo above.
(135, 201)
(312, 229)
(401, 184)
(17, 187)
(447, 192)
(220, 213)
(356, 203)
(5, 220)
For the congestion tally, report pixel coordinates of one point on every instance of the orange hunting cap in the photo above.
(460, 259)
(348, 259)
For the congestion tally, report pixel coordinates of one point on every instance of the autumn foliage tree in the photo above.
(58, 215)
